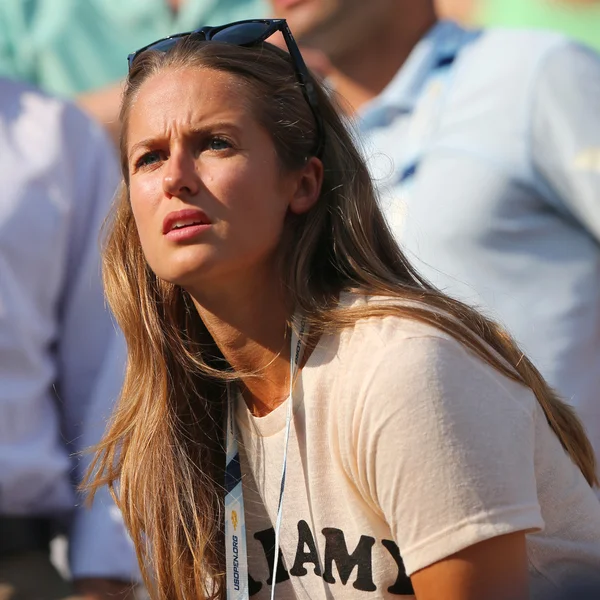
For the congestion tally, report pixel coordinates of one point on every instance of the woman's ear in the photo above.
(308, 186)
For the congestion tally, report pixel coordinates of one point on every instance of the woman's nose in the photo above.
(181, 178)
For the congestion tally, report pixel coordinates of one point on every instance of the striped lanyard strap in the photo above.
(236, 555)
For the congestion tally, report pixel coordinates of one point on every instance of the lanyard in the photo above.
(235, 521)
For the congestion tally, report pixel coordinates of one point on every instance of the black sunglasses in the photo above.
(251, 33)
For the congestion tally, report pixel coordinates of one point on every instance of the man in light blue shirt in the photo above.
(486, 149)
(61, 363)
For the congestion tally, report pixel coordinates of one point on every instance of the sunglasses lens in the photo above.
(242, 34)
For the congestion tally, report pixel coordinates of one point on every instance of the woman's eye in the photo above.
(147, 159)
(218, 143)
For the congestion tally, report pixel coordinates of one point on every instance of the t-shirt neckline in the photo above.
(275, 421)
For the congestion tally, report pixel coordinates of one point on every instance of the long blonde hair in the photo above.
(163, 449)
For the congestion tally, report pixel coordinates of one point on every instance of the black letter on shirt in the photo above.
(253, 586)
(305, 536)
(403, 585)
(267, 540)
(336, 550)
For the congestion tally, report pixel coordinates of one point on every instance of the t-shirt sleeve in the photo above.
(445, 449)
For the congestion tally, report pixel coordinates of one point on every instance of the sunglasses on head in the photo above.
(250, 33)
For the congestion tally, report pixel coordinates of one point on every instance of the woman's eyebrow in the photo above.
(196, 131)
(210, 127)
(147, 143)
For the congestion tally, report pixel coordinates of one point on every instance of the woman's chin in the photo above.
(185, 275)
(185, 268)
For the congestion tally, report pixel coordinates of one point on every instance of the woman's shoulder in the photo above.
(395, 350)
(391, 321)
(396, 369)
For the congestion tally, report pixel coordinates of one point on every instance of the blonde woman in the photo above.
(303, 416)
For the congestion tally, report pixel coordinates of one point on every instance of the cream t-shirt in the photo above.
(404, 449)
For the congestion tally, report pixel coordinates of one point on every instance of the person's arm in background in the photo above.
(18, 61)
(102, 560)
(458, 10)
(104, 105)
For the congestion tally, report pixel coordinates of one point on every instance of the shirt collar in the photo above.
(403, 91)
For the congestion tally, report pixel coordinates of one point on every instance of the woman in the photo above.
(264, 300)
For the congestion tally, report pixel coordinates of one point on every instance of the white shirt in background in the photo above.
(58, 176)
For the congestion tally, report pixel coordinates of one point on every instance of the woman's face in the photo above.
(208, 194)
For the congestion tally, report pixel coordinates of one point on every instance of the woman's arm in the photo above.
(492, 570)
(445, 448)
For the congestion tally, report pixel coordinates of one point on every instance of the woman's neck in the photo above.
(249, 324)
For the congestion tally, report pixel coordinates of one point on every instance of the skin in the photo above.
(366, 44)
(460, 10)
(492, 570)
(187, 148)
(103, 104)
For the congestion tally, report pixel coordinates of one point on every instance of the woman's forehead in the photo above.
(198, 84)
(187, 96)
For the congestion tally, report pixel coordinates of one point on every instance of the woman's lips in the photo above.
(185, 224)
(188, 232)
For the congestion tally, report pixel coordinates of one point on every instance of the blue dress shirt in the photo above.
(502, 207)
(59, 175)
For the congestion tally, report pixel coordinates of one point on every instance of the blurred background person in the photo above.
(485, 146)
(79, 48)
(459, 10)
(579, 19)
(578, 590)
(59, 175)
